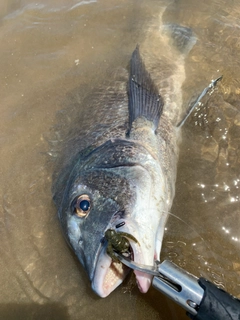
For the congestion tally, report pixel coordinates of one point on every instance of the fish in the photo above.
(121, 172)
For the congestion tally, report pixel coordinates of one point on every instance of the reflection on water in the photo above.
(48, 50)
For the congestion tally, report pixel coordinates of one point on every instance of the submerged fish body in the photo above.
(124, 173)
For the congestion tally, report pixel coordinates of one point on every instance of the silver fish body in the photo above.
(125, 168)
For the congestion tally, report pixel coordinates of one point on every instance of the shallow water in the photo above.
(48, 50)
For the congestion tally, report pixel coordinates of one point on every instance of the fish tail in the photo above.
(182, 38)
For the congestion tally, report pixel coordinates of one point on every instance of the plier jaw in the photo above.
(181, 286)
(172, 281)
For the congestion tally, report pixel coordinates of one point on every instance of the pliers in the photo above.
(202, 299)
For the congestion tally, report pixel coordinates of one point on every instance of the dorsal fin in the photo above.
(144, 98)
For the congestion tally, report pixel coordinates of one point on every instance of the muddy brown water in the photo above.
(54, 52)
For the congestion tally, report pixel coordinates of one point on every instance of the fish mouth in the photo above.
(110, 274)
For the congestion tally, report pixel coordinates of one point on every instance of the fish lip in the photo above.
(143, 279)
(108, 275)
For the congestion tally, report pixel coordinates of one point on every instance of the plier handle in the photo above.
(201, 299)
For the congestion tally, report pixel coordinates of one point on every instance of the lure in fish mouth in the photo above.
(124, 183)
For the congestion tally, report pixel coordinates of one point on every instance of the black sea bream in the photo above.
(123, 171)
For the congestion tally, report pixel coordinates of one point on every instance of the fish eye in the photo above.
(82, 206)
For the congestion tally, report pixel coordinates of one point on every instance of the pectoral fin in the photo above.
(144, 98)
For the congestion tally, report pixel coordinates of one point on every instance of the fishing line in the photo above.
(202, 239)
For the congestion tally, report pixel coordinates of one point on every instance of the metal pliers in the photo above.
(202, 299)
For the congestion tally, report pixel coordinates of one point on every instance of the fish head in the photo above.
(113, 187)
